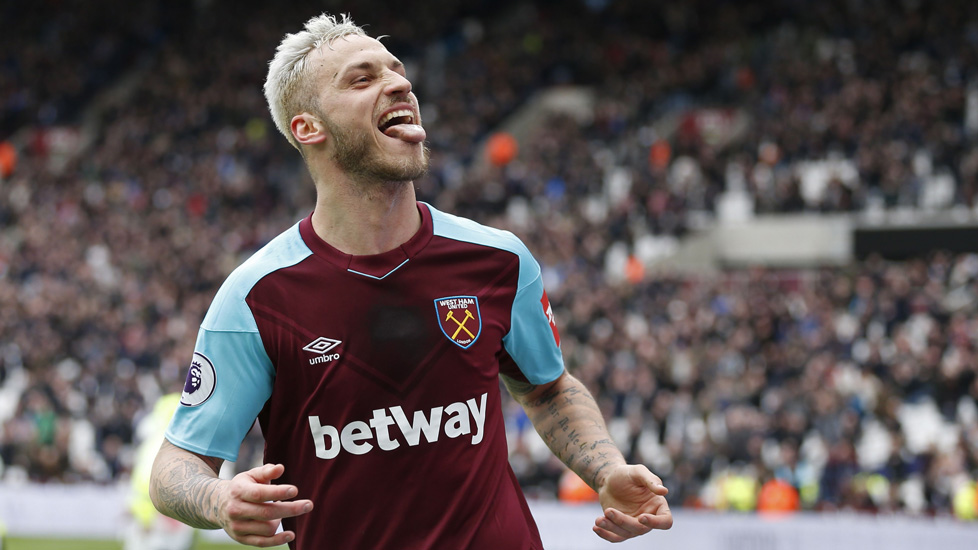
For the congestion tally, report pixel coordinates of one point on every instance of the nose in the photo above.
(397, 84)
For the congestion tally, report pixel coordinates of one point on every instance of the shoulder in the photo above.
(465, 230)
(285, 250)
(228, 311)
(458, 228)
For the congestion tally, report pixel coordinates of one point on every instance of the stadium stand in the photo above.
(855, 384)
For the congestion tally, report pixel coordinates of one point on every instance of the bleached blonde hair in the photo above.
(287, 90)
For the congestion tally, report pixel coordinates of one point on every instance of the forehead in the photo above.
(347, 51)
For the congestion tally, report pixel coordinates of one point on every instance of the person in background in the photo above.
(148, 529)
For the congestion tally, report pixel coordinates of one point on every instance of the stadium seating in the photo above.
(856, 384)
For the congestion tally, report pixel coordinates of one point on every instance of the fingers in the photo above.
(661, 520)
(265, 541)
(255, 507)
(267, 511)
(254, 492)
(615, 526)
(254, 529)
(256, 524)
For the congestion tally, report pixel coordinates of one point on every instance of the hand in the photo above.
(252, 508)
(634, 503)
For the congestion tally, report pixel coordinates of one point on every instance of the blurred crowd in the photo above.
(855, 385)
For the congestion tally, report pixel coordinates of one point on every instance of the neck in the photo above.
(365, 219)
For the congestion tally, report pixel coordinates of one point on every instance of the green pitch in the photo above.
(68, 544)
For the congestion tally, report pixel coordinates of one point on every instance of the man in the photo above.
(368, 341)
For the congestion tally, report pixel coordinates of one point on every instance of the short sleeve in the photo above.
(231, 376)
(532, 340)
(229, 381)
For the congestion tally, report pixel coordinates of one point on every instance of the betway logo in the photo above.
(355, 438)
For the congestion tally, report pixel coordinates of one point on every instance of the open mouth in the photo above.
(395, 118)
(403, 124)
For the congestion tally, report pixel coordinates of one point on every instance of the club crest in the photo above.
(459, 319)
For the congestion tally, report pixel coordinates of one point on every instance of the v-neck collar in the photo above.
(374, 266)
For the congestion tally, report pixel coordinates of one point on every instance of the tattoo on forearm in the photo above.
(187, 490)
(594, 476)
(570, 423)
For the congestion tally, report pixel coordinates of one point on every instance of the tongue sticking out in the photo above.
(411, 133)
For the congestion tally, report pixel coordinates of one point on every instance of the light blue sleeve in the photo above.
(231, 376)
(242, 382)
(530, 341)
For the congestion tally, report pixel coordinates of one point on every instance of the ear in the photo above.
(308, 129)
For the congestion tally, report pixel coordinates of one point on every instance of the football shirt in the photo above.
(375, 382)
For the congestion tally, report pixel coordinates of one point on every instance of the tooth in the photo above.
(394, 114)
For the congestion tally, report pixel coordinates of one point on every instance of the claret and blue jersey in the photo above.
(375, 382)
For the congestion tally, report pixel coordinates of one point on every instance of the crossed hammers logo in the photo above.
(461, 324)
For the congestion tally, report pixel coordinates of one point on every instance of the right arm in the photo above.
(185, 486)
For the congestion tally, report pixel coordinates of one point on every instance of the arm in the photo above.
(568, 419)
(185, 486)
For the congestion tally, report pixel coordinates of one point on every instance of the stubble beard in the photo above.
(357, 156)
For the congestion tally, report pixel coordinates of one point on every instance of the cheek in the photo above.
(355, 117)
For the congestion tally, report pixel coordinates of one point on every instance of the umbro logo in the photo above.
(322, 346)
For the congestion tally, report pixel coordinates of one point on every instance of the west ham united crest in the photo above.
(459, 319)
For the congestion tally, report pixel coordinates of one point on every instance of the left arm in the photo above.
(568, 419)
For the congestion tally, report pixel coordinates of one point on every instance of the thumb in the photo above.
(655, 485)
(650, 480)
(266, 472)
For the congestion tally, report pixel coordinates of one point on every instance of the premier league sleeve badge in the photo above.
(201, 381)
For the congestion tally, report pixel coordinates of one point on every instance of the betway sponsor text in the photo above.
(360, 437)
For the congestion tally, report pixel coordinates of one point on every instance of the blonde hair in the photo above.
(286, 89)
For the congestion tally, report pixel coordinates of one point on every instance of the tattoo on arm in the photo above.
(185, 487)
(570, 422)
(594, 476)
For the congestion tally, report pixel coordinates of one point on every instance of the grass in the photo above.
(96, 544)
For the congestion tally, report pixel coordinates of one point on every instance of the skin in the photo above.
(356, 212)
(185, 486)
(366, 204)
(568, 419)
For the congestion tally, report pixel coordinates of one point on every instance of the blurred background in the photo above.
(757, 223)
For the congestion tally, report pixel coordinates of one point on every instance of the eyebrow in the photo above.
(366, 66)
